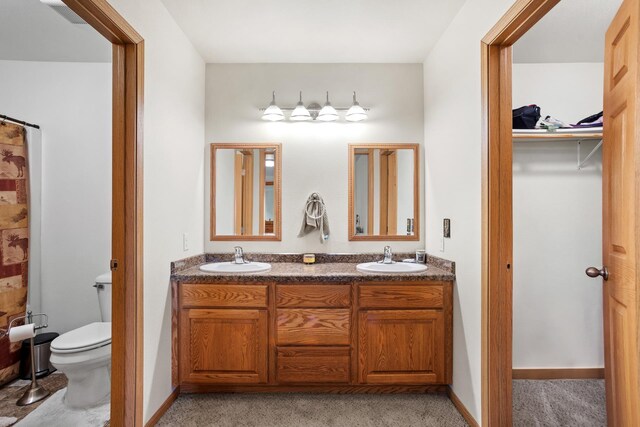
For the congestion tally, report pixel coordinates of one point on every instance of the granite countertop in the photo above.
(296, 272)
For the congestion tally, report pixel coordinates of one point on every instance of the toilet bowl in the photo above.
(84, 355)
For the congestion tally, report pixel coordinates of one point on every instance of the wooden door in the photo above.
(224, 346)
(621, 198)
(401, 347)
(388, 193)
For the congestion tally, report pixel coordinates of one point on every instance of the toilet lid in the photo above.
(91, 336)
(104, 278)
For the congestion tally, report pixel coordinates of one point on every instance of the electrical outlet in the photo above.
(442, 244)
(185, 242)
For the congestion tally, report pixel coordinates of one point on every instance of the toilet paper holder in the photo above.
(35, 392)
(29, 319)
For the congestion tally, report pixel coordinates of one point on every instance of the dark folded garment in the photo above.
(587, 125)
(591, 119)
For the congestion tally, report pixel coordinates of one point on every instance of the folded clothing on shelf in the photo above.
(550, 123)
(594, 121)
(526, 117)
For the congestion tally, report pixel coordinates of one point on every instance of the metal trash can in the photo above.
(42, 354)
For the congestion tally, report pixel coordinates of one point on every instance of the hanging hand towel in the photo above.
(315, 218)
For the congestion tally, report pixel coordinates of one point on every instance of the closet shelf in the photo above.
(559, 135)
(578, 135)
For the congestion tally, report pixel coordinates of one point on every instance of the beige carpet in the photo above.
(312, 410)
(551, 403)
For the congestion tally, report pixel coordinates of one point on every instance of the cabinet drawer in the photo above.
(195, 295)
(315, 296)
(400, 296)
(298, 365)
(313, 326)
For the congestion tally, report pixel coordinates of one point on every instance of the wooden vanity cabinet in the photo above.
(312, 336)
(404, 333)
(223, 336)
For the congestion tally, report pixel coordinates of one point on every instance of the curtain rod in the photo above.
(20, 122)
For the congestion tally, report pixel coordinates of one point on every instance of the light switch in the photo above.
(185, 242)
(446, 228)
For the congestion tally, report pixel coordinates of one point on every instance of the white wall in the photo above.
(314, 155)
(557, 225)
(361, 189)
(72, 104)
(453, 138)
(225, 183)
(569, 92)
(405, 189)
(173, 177)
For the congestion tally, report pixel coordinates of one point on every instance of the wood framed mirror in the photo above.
(246, 187)
(384, 192)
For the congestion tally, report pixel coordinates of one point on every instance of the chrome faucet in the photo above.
(388, 256)
(238, 256)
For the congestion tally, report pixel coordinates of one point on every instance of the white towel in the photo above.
(315, 218)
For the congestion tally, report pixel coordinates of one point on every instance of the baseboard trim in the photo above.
(461, 408)
(163, 408)
(338, 388)
(558, 374)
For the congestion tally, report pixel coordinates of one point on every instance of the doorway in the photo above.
(126, 263)
(620, 314)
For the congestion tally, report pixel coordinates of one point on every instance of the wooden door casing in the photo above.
(620, 209)
(224, 346)
(401, 346)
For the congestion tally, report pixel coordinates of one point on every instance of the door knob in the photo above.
(594, 272)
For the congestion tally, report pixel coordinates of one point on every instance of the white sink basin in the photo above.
(232, 267)
(398, 267)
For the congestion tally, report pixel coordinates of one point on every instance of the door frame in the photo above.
(497, 208)
(127, 255)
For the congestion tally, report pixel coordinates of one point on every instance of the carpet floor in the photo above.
(559, 403)
(312, 410)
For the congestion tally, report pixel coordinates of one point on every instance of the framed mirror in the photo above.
(246, 182)
(384, 202)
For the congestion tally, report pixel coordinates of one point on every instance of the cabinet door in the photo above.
(223, 346)
(401, 347)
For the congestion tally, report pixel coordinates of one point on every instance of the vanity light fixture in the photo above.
(356, 113)
(273, 113)
(300, 113)
(314, 111)
(328, 113)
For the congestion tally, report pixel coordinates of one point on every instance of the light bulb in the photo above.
(356, 113)
(273, 113)
(328, 113)
(300, 113)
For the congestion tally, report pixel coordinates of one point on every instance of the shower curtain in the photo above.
(14, 244)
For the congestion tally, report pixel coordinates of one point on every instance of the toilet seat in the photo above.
(85, 338)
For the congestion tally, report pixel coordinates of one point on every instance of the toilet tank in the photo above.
(103, 286)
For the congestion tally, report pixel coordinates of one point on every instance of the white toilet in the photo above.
(84, 355)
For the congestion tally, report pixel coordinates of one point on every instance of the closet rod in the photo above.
(20, 122)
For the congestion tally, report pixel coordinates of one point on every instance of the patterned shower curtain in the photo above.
(14, 247)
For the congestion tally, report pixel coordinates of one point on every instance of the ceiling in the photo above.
(573, 31)
(305, 31)
(32, 31)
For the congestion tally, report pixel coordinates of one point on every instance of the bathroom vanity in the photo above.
(324, 327)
